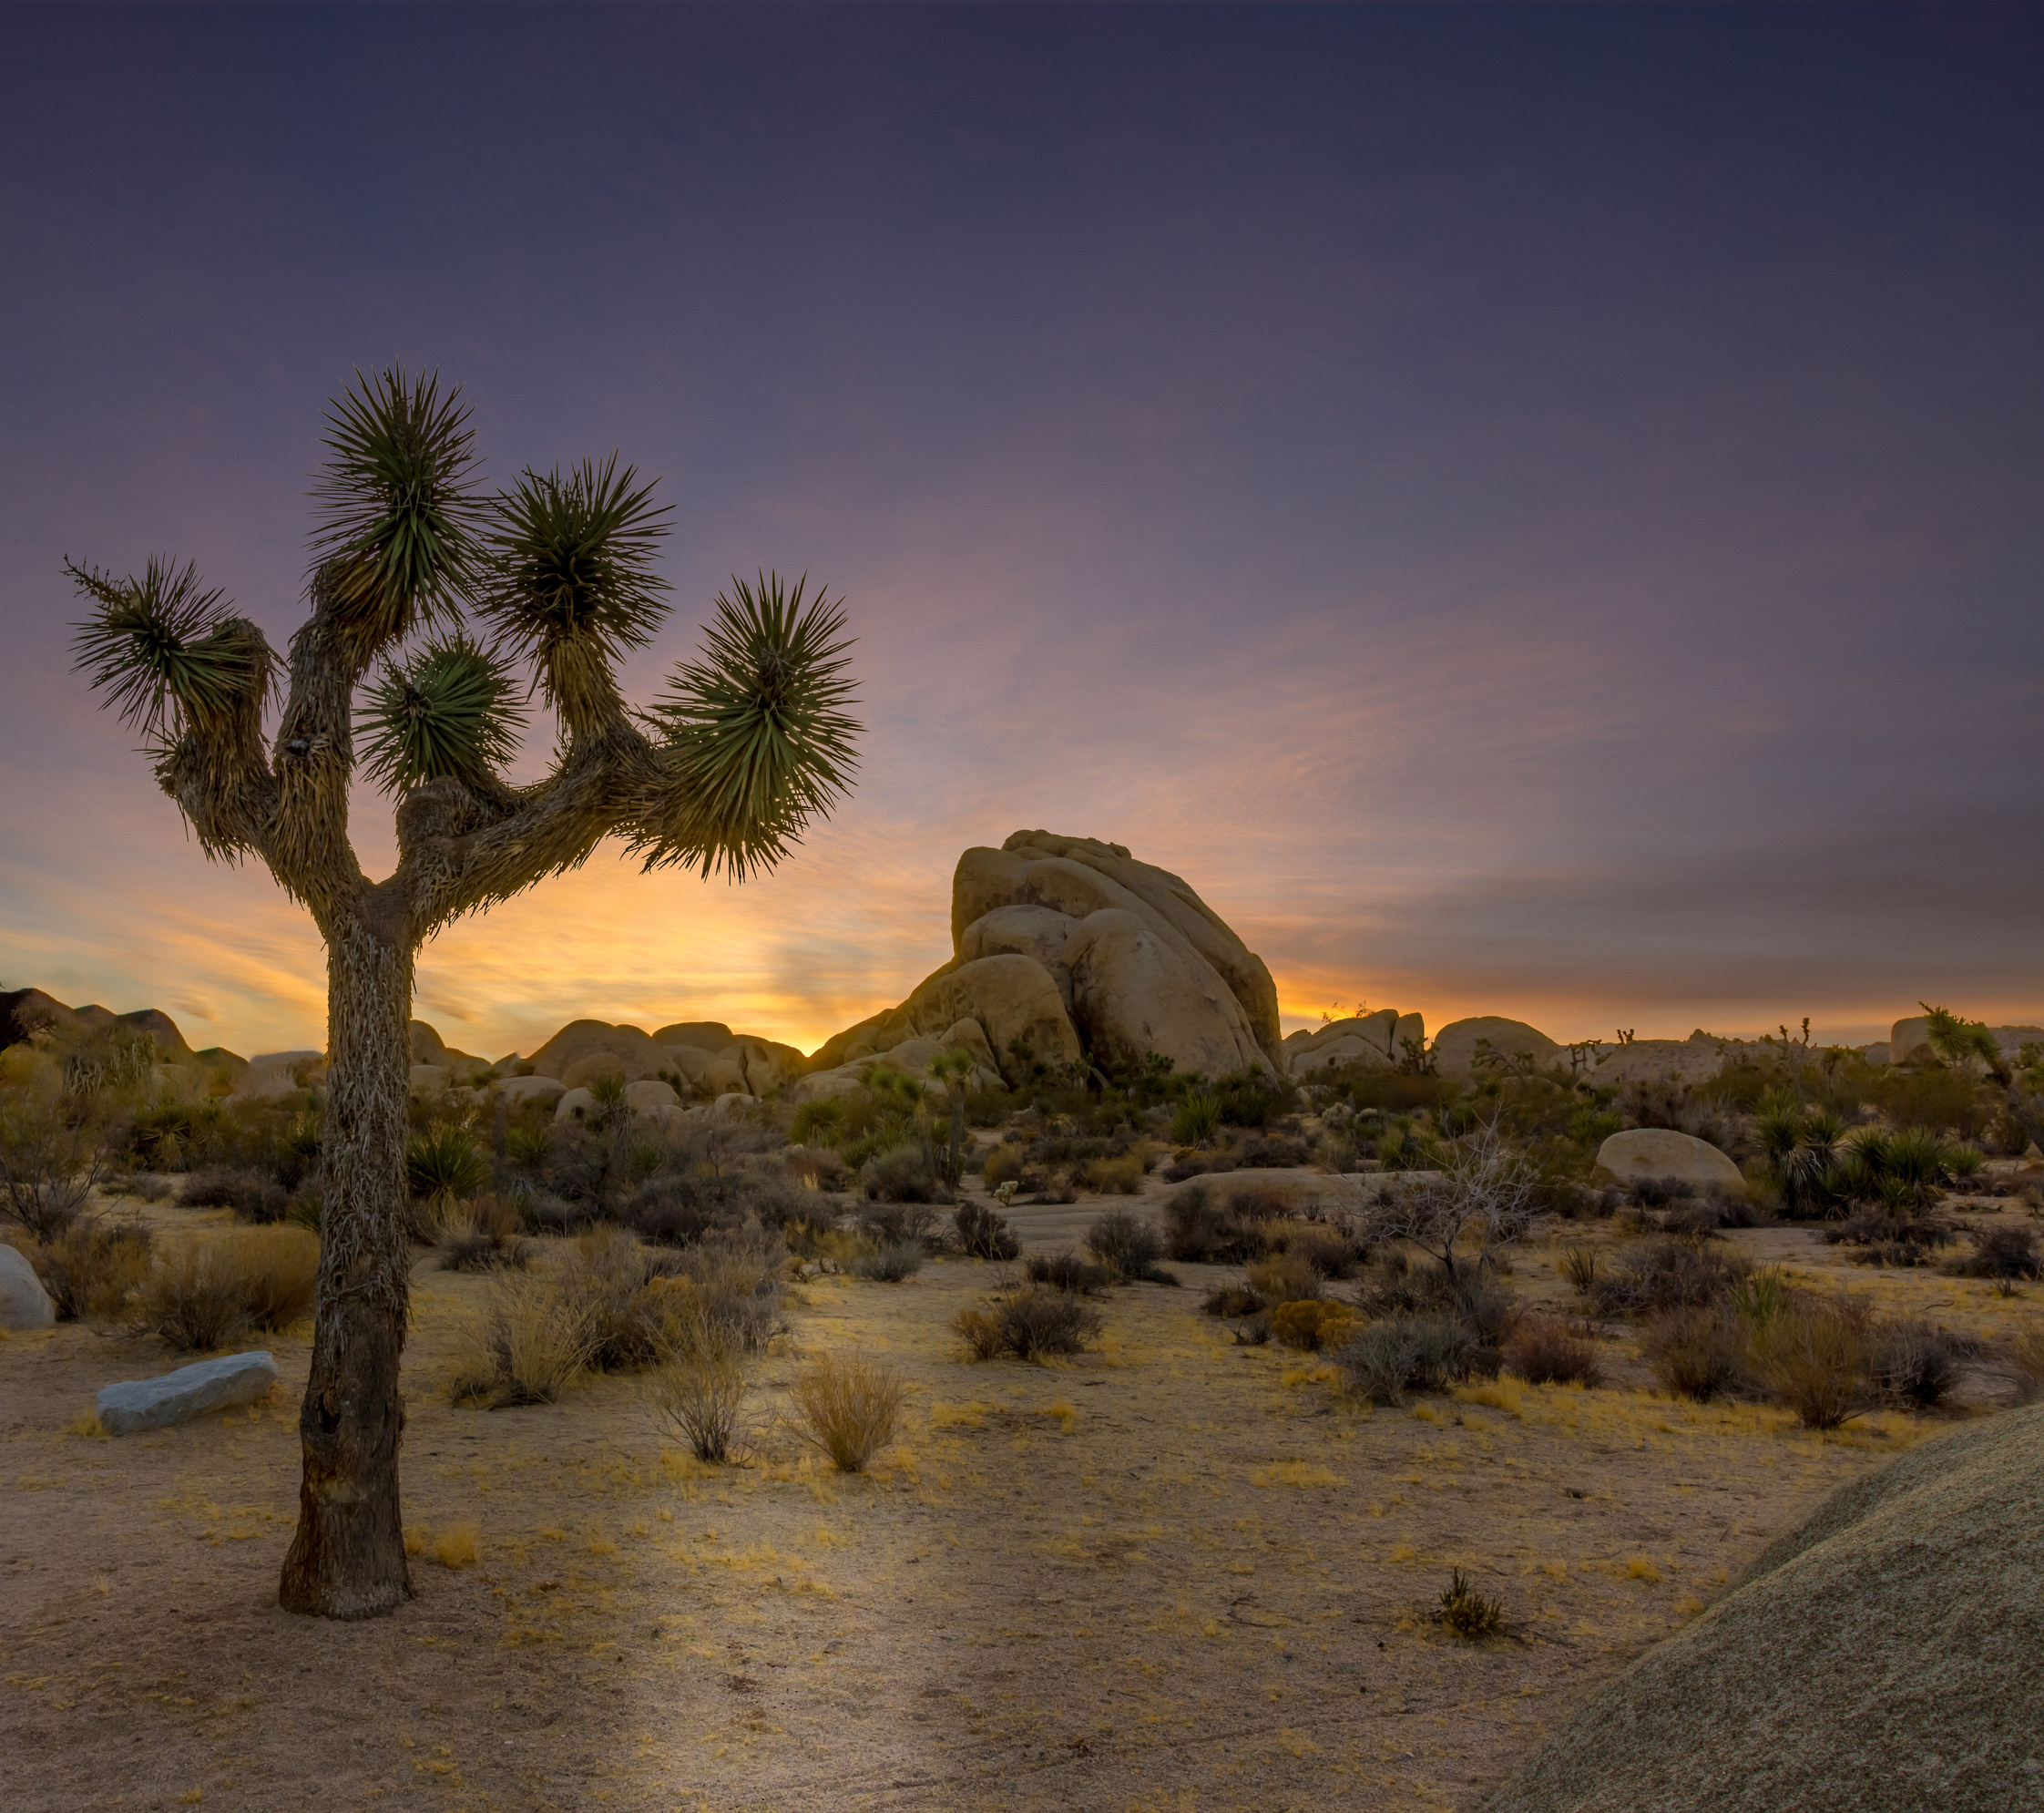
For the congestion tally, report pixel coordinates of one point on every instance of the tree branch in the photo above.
(461, 849)
(308, 848)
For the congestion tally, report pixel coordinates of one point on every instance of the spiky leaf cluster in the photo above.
(166, 653)
(447, 711)
(755, 737)
(397, 518)
(572, 583)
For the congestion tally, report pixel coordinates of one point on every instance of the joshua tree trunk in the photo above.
(347, 1559)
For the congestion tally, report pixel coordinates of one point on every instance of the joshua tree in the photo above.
(446, 593)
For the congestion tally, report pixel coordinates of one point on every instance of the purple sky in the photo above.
(1530, 511)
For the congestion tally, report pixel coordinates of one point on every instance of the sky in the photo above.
(1528, 510)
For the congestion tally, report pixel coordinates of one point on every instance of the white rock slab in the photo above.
(1653, 1153)
(178, 1396)
(24, 1302)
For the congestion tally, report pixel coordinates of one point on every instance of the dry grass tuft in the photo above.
(848, 1408)
(524, 1346)
(699, 1399)
(208, 1293)
(92, 1268)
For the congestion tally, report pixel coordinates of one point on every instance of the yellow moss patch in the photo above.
(1302, 1474)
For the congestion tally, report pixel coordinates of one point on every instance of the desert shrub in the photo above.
(528, 1146)
(905, 1175)
(1285, 1277)
(1328, 1252)
(676, 1208)
(984, 1233)
(524, 1346)
(1130, 1246)
(2007, 1251)
(892, 1263)
(1467, 1611)
(699, 1400)
(1032, 1324)
(1542, 1351)
(483, 1236)
(1197, 1117)
(1273, 1155)
(1067, 1272)
(1578, 1265)
(641, 1305)
(1230, 1300)
(92, 1267)
(253, 1195)
(1914, 1364)
(1818, 1360)
(1695, 1352)
(1659, 1193)
(1201, 1231)
(1395, 1354)
(1119, 1176)
(1002, 1165)
(847, 1409)
(1671, 1275)
(203, 1294)
(895, 1222)
(1312, 1324)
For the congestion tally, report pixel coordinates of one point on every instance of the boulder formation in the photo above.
(1069, 947)
(1646, 1155)
(1885, 1655)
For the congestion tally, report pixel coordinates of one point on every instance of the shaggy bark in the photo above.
(347, 1557)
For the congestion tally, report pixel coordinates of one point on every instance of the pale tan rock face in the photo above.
(1038, 932)
(1155, 894)
(1455, 1045)
(585, 1070)
(1135, 990)
(1650, 1153)
(1909, 1043)
(518, 1089)
(640, 1097)
(638, 1054)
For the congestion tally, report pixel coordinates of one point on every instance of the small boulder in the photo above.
(517, 1090)
(1909, 1043)
(573, 1104)
(733, 1104)
(24, 1302)
(178, 1396)
(585, 1070)
(642, 1097)
(1651, 1152)
(1455, 1045)
(429, 1079)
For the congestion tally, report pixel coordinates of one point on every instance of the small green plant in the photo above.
(1578, 1265)
(444, 1165)
(1197, 1117)
(1467, 1611)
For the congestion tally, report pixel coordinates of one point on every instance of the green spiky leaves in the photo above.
(447, 711)
(572, 581)
(398, 517)
(165, 652)
(755, 737)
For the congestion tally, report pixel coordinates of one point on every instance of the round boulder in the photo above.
(1885, 1655)
(1510, 1041)
(517, 1090)
(1644, 1154)
(24, 1302)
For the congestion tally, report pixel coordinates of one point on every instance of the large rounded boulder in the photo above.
(1884, 1656)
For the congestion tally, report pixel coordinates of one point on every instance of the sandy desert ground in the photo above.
(1174, 1573)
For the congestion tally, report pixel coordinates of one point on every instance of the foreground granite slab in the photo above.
(178, 1396)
